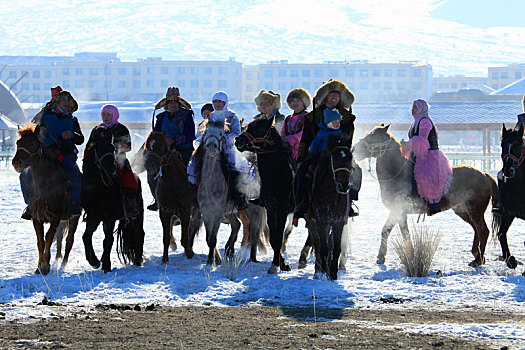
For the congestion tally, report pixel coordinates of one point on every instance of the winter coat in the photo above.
(293, 130)
(56, 123)
(319, 143)
(179, 126)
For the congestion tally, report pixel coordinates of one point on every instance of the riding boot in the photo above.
(357, 177)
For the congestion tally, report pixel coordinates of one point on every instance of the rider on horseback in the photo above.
(298, 100)
(112, 131)
(432, 173)
(333, 94)
(177, 121)
(60, 132)
(268, 104)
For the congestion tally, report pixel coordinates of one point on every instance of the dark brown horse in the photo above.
(468, 196)
(175, 195)
(49, 199)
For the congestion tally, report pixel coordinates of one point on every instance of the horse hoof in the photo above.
(173, 246)
(254, 260)
(42, 270)
(285, 267)
(342, 267)
(380, 261)
(190, 254)
(474, 263)
(274, 270)
(95, 264)
(523, 274)
(302, 265)
(63, 265)
(107, 270)
(511, 262)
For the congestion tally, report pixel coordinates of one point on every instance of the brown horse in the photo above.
(468, 196)
(49, 200)
(175, 195)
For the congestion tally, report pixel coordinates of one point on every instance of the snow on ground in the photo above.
(452, 283)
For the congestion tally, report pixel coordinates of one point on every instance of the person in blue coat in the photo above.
(60, 132)
(178, 123)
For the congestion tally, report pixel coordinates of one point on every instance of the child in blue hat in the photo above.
(330, 125)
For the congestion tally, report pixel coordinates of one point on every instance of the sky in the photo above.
(455, 36)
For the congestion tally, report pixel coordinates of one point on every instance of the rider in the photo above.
(268, 104)
(333, 94)
(298, 100)
(177, 121)
(111, 130)
(432, 172)
(60, 132)
(501, 184)
(237, 163)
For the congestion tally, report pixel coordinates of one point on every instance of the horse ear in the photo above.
(504, 130)
(386, 127)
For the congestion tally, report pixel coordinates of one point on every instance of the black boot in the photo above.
(153, 206)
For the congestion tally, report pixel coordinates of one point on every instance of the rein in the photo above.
(344, 169)
(38, 152)
(265, 141)
(98, 162)
(513, 157)
(381, 148)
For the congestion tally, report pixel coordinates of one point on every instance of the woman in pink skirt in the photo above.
(432, 171)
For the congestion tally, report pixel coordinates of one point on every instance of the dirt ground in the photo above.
(242, 327)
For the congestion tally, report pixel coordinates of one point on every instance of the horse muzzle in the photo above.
(342, 189)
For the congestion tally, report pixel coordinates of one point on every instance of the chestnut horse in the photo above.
(468, 196)
(49, 199)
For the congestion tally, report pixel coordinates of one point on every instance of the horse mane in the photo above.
(214, 123)
(27, 129)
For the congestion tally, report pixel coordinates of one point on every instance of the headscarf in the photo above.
(113, 110)
(421, 109)
(221, 96)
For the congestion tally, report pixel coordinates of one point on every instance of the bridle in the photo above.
(377, 149)
(516, 160)
(106, 178)
(37, 153)
(338, 185)
(260, 144)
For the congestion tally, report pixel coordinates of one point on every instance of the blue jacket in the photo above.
(319, 143)
(179, 127)
(56, 123)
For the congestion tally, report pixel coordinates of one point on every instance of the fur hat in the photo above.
(301, 94)
(267, 96)
(347, 97)
(172, 94)
(73, 105)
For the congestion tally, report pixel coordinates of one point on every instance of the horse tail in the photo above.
(130, 240)
(496, 218)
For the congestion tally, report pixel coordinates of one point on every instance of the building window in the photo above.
(207, 70)
(36, 98)
(122, 71)
(454, 85)
(194, 83)
(223, 83)
(93, 71)
(163, 83)
(249, 76)
(136, 84)
(401, 73)
(149, 83)
(416, 85)
(504, 75)
(107, 84)
(181, 70)
(417, 72)
(268, 73)
(388, 85)
(363, 85)
(281, 73)
(306, 72)
(401, 85)
(294, 73)
(25, 86)
(12, 74)
(306, 86)
(136, 72)
(79, 84)
(494, 75)
(281, 86)
(376, 86)
(181, 83)
(121, 84)
(249, 88)
(194, 70)
(36, 86)
(207, 83)
(47, 74)
(36, 74)
(334, 73)
(376, 72)
(164, 70)
(318, 72)
(223, 70)
(65, 71)
(79, 71)
(349, 73)
(388, 72)
(463, 85)
(363, 72)
(518, 75)
(495, 86)
(93, 84)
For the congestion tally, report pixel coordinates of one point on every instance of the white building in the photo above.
(455, 83)
(499, 77)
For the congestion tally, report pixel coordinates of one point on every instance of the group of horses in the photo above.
(209, 202)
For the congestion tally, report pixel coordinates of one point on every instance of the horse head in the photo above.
(375, 144)
(104, 154)
(28, 147)
(512, 150)
(260, 136)
(337, 153)
(213, 137)
(155, 148)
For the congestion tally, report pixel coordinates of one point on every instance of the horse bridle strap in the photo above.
(265, 140)
(38, 152)
(513, 157)
(379, 147)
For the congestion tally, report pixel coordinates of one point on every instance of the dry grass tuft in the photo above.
(417, 251)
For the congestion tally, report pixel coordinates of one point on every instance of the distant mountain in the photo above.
(256, 31)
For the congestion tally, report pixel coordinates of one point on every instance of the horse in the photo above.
(330, 202)
(277, 181)
(468, 196)
(49, 199)
(513, 191)
(175, 195)
(102, 199)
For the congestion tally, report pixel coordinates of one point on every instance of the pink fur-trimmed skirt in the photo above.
(433, 175)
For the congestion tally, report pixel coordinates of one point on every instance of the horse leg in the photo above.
(337, 232)
(287, 231)
(50, 235)
(506, 221)
(319, 234)
(403, 227)
(195, 224)
(276, 222)
(481, 234)
(245, 219)
(39, 230)
(59, 235)
(212, 227)
(91, 227)
(165, 219)
(72, 224)
(185, 233)
(385, 232)
(345, 243)
(108, 225)
(307, 249)
(235, 224)
(173, 242)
